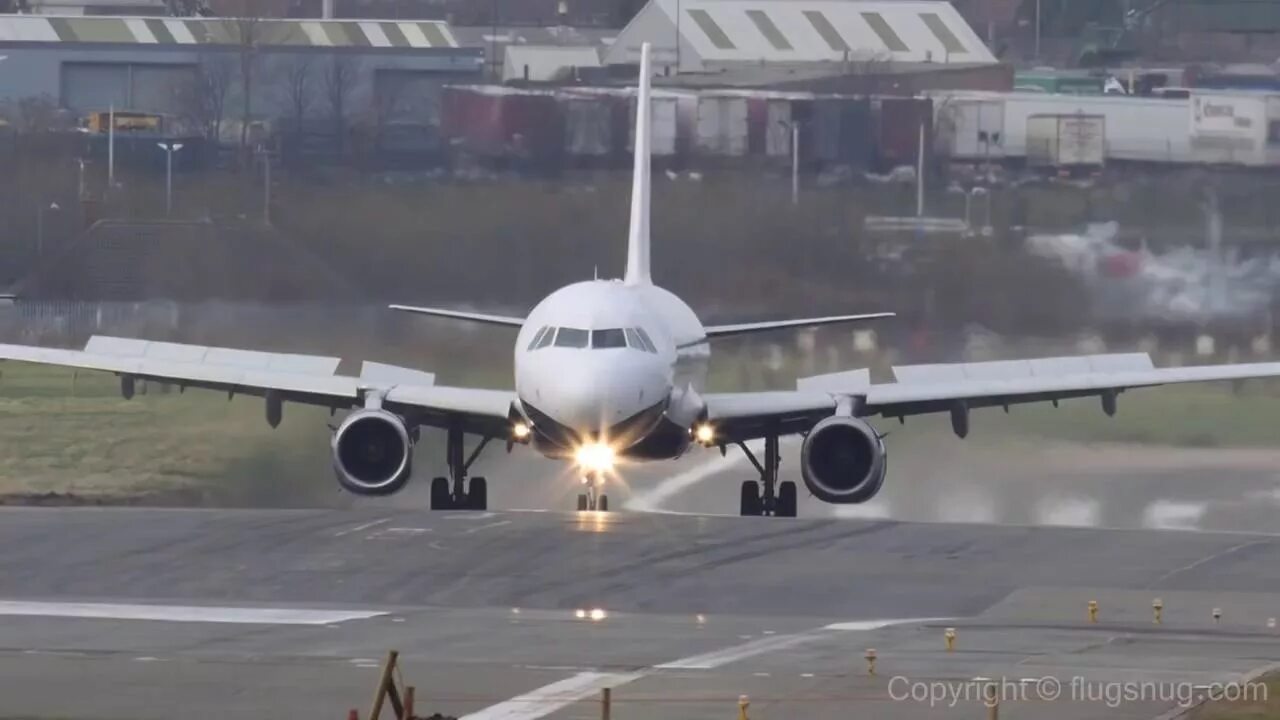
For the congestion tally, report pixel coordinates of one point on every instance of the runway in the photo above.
(115, 613)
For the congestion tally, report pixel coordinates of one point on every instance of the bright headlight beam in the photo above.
(705, 433)
(596, 457)
(520, 431)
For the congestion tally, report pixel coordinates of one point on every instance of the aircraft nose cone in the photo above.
(595, 396)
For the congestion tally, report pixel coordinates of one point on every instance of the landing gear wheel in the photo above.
(478, 494)
(786, 499)
(582, 502)
(750, 505)
(440, 497)
(603, 504)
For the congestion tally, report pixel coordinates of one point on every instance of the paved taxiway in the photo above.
(129, 613)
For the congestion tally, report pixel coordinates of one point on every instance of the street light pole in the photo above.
(795, 163)
(1038, 29)
(40, 210)
(169, 150)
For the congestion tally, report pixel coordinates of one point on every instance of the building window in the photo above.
(886, 33)
(769, 30)
(712, 30)
(827, 31)
(949, 41)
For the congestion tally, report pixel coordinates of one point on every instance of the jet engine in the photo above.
(843, 460)
(372, 452)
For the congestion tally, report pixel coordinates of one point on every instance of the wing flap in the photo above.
(849, 382)
(374, 372)
(207, 355)
(1013, 369)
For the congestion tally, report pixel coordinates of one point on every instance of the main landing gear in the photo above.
(455, 492)
(593, 499)
(760, 498)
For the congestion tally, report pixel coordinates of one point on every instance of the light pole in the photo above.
(40, 211)
(1038, 29)
(169, 149)
(794, 127)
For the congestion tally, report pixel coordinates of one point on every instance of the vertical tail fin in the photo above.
(638, 240)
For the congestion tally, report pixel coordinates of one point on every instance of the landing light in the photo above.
(705, 433)
(520, 431)
(596, 457)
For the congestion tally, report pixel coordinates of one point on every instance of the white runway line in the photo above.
(183, 613)
(358, 528)
(550, 698)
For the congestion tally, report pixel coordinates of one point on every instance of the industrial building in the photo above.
(176, 66)
(715, 35)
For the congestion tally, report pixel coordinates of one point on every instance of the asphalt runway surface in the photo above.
(528, 611)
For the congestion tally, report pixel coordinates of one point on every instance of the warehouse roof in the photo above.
(811, 30)
(222, 31)
(546, 63)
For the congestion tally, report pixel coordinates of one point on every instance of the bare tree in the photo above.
(203, 98)
(298, 90)
(339, 78)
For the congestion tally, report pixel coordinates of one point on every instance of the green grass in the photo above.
(71, 432)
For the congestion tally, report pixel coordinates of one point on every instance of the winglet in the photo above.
(638, 240)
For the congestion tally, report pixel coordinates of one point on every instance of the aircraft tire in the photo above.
(749, 504)
(478, 494)
(786, 499)
(440, 498)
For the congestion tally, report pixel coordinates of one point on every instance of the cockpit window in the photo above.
(572, 338)
(648, 343)
(633, 339)
(611, 338)
(538, 337)
(544, 339)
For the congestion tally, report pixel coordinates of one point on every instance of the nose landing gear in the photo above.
(593, 499)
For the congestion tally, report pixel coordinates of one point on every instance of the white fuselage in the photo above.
(626, 362)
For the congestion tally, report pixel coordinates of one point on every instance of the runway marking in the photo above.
(1209, 558)
(490, 526)
(550, 698)
(181, 613)
(470, 516)
(365, 526)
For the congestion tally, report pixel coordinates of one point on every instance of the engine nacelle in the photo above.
(372, 452)
(843, 461)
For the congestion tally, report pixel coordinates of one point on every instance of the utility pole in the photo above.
(493, 43)
(111, 149)
(795, 163)
(169, 148)
(920, 174)
(1038, 29)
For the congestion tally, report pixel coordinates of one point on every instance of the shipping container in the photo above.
(1235, 128)
(898, 123)
(1066, 141)
(588, 126)
(970, 128)
(1138, 129)
(502, 123)
(721, 125)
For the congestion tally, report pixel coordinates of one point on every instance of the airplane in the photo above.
(613, 371)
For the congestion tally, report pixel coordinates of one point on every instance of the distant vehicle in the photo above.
(1171, 93)
(126, 121)
(615, 370)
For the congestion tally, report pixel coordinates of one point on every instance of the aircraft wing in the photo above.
(745, 328)
(307, 379)
(956, 387)
(460, 315)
